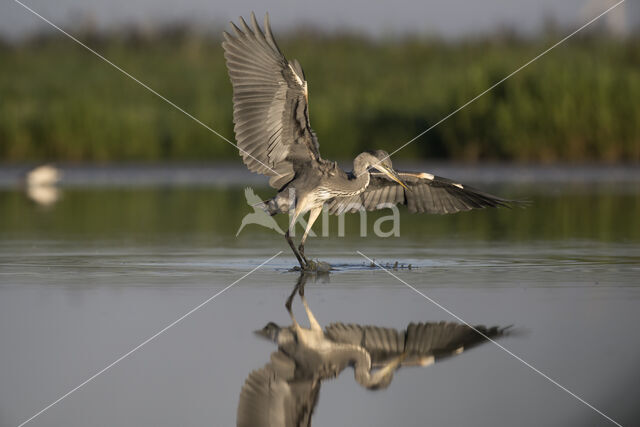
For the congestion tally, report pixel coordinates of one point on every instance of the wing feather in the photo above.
(265, 400)
(422, 343)
(273, 396)
(270, 110)
(428, 193)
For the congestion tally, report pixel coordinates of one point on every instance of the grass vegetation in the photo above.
(578, 103)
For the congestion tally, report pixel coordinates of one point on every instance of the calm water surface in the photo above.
(86, 279)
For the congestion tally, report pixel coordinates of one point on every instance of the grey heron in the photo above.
(286, 390)
(274, 137)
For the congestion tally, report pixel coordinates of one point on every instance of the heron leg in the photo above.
(313, 216)
(302, 279)
(299, 287)
(295, 251)
(313, 322)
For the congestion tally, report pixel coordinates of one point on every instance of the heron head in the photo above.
(270, 331)
(381, 162)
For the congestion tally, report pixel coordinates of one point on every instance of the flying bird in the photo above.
(274, 137)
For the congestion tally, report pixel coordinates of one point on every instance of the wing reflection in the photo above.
(285, 391)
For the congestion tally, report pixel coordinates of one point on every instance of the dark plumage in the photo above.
(274, 136)
(426, 194)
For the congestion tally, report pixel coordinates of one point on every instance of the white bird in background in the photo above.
(41, 184)
(45, 175)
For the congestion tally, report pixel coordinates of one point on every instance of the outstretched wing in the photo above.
(427, 193)
(272, 397)
(270, 109)
(382, 344)
(422, 343)
(444, 339)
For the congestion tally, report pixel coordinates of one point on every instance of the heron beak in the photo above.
(269, 332)
(263, 334)
(392, 174)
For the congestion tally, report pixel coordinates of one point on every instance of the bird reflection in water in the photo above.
(286, 390)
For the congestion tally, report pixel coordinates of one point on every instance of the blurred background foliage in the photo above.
(579, 103)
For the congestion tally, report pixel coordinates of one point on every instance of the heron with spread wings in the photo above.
(285, 391)
(274, 136)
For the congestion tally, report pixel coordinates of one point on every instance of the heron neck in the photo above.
(362, 369)
(361, 176)
(359, 183)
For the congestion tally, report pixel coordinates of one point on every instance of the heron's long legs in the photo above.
(289, 301)
(313, 216)
(299, 285)
(313, 322)
(295, 251)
